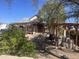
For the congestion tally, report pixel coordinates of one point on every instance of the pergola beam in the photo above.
(66, 24)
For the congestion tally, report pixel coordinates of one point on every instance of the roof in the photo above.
(66, 24)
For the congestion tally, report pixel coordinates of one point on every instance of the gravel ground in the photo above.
(69, 55)
(72, 55)
(13, 57)
(57, 53)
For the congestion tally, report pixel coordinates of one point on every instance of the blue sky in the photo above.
(19, 9)
(25, 9)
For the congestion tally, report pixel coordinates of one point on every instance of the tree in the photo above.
(74, 9)
(74, 1)
(52, 12)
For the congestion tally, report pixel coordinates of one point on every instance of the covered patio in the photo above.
(70, 30)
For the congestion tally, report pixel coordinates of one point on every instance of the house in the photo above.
(32, 25)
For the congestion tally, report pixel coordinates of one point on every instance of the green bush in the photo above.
(13, 42)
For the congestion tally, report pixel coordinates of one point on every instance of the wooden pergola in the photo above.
(67, 27)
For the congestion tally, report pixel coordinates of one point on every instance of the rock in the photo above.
(64, 57)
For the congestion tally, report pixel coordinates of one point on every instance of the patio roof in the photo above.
(66, 24)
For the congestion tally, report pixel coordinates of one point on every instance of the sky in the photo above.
(18, 10)
(24, 9)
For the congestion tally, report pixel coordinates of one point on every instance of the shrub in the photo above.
(13, 42)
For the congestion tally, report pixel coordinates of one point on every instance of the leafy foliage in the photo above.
(13, 42)
(52, 11)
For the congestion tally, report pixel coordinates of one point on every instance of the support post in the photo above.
(56, 38)
(76, 36)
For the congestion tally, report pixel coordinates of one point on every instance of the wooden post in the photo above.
(76, 36)
(56, 38)
(64, 33)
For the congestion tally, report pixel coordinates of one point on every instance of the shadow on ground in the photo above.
(42, 46)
